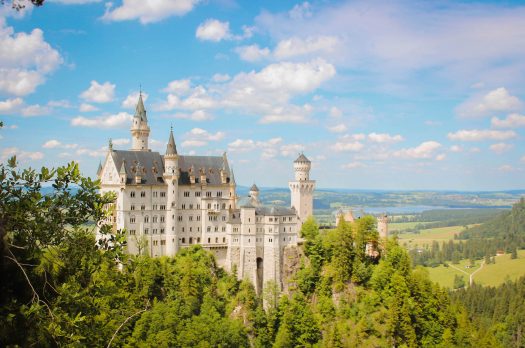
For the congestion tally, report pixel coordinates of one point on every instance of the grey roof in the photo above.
(274, 211)
(140, 111)
(99, 170)
(211, 165)
(254, 188)
(171, 148)
(151, 163)
(302, 158)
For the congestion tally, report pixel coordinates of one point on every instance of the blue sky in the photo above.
(378, 94)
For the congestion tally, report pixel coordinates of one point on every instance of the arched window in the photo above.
(146, 218)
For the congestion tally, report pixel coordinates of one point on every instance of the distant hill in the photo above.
(509, 226)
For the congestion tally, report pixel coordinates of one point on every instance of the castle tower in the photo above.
(254, 194)
(302, 188)
(171, 177)
(382, 226)
(139, 128)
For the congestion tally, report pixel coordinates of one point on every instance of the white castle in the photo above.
(174, 201)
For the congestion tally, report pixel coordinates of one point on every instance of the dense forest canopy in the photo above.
(61, 287)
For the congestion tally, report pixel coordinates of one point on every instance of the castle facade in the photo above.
(172, 201)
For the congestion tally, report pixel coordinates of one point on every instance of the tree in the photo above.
(514, 254)
(459, 282)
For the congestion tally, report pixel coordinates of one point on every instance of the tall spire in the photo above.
(140, 110)
(171, 148)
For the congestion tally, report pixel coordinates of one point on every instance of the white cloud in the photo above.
(35, 110)
(25, 60)
(498, 100)
(287, 114)
(120, 141)
(213, 30)
(10, 105)
(99, 93)
(197, 115)
(220, 77)
(252, 53)
(20, 154)
(301, 11)
(131, 100)
(200, 133)
(197, 99)
(241, 145)
(506, 168)
(148, 11)
(178, 87)
(353, 146)
(291, 150)
(426, 149)
(297, 46)
(353, 165)
(75, 2)
(500, 147)
(64, 103)
(90, 152)
(511, 121)
(194, 143)
(51, 144)
(384, 138)
(335, 112)
(441, 157)
(480, 135)
(84, 107)
(339, 128)
(456, 148)
(120, 120)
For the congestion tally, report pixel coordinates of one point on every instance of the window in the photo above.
(179, 218)
(132, 194)
(146, 218)
(146, 231)
(208, 194)
(162, 242)
(163, 194)
(191, 206)
(190, 217)
(209, 240)
(183, 206)
(183, 229)
(132, 207)
(208, 229)
(162, 218)
(155, 193)
(162, 207)
(198, 218)
(155, 218)
(216, 239)
(191, 229)
(209, 205)
(183, 240)
(132, 232)
(223, 205)
(155, 242)
(154, 207)
(132, 219)
(142, 207)
(186, 194)
(198, 239)
(162, 231)
(143, 194)
(224, 229)
(219, 194)
(154, 231)
(197, 194)
(224, 239)
(216, 228)
(191, 240)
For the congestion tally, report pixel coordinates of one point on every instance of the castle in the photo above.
(172, 201)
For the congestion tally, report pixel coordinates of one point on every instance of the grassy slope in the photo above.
(493, 274)
(439, 234)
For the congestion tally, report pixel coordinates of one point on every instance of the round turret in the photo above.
(302, 166)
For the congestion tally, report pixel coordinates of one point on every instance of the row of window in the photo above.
(155, 194)
(155, 219)
(197, 240)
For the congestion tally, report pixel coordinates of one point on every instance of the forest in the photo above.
(61, 287)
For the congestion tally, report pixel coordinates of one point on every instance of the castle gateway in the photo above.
(172, 201)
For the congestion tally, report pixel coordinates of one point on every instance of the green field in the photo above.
(425, 237)
(401, 226)
(491, 275)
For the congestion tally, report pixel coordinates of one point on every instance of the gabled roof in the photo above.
(150, 165)
(211, 165)
(302, 158)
